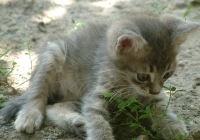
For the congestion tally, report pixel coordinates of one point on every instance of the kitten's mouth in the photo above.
(149, 93)
(154, 93)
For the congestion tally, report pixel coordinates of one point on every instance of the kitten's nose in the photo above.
(153, 92)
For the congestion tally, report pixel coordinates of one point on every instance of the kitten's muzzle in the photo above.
(153, 93)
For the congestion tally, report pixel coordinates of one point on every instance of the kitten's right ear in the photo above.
(180, 29)
(130, 44)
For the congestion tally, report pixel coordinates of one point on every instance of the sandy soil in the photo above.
(22, 19)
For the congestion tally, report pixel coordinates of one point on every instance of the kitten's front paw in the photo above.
(174, 131)
(79, 127)
(28, 120)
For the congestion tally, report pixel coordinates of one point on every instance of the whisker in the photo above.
(119, 93)
(106, 71)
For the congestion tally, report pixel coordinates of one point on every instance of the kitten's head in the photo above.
(145, 48)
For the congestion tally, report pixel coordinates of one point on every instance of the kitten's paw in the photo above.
(174, 131)
(79, 127)
(28, 120)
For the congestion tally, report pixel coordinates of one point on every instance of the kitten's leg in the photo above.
(171, 126)
(66, 116)
(31, 105)
(96, 117)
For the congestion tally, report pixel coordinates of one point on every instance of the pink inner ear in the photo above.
(126, 42)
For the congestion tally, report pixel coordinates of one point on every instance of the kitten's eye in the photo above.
(168, 74)
(142, 77)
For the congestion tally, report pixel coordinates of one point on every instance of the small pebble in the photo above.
(197, 120)
(194, 86)
(181, 65)
(197, 79)
(192, 107)
(194, 92)
(179, 94)
(187, 96)
(191, 123)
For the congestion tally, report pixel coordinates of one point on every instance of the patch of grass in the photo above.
(135, 113)
(190, 9)
(27, 45)
(158, 9)
(5, 71)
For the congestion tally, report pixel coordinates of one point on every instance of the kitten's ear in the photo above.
(179, 29)
(130, 44)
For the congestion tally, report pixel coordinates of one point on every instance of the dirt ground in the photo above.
(30, 22)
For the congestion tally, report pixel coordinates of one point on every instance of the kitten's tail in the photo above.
(11, 108)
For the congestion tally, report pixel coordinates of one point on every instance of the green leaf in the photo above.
(164, 113)
(181, 90)
(173, 89)
(1, 55)
(1, 68)
(144, 116)
(148, 110)
(14, 63)
(80, 24)
(30, 47)
(24, 45)
(134, 108)
(134, 125)
(155, 5)
(107, 95)
(157, 120)
(186, 119)
(181, 137)
(29, 38)
(164, 8)
(190, 7)
(129, 120)
(166, 87)
(186, 13)
(131, 101)
(121, 106)
(143, 111)
(1, 98)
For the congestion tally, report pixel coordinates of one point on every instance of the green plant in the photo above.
(5, 71)
(29, 48)
(77, 24)
(189, 10)
(130, 106)
(158, 9)
(135, 112)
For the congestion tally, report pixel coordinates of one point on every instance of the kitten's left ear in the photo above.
(179, 29)
(130, 44)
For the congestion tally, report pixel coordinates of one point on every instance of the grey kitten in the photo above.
(131, 56)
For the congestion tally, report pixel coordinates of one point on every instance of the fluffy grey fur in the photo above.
(128, 57)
